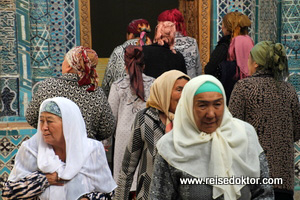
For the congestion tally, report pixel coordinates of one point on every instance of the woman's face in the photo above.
(252, 66)
(176, 93)
(52, 130)
(208, 110)
(224, 30)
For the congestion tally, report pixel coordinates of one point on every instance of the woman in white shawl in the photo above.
(59, 161)
(207, 142)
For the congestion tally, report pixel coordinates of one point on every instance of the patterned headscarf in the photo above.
(134, 62)
(175, 16)
(51, 107)
(271, 56)
(165, 33)
(84, 60)
(140, 28)
(235, 22)
(160, 94)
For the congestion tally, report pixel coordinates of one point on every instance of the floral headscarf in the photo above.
(175, 16)
(84, 60)
(165, 33)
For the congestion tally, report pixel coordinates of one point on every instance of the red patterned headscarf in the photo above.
(165, 33)
(84, 60)
(140, 28)
(134, 63)
(175, 16)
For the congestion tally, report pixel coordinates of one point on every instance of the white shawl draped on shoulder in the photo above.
(85, 170)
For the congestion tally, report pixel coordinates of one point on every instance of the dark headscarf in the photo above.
(134, 62)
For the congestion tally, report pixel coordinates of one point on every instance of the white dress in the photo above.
(125, 104)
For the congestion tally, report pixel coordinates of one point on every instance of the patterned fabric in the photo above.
(84, 60)
(97, 114)
(51, 107)
(98, 196)
(274, 111)
(34, 184)
(165, 34)
(188, 47)
(29, 187)
(116, 66)
(166, 184)
(147, 130)
(125, 105)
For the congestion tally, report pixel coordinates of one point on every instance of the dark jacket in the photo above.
(218, 55)
(159, 59)
(273, 109)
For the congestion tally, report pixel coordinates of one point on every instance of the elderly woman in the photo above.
(161, 55)
(79, 84)
(186, 45)
(59, 161)
(137, 34)
(207, 142)
(150, 124)
(127, 97)
(271, 105)
(235, 47)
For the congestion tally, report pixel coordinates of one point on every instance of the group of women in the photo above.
(169, 128)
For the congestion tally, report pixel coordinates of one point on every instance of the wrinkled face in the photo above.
(208, 110)
(252, 66)
(176, 93)
(51, 127)
(224, 30)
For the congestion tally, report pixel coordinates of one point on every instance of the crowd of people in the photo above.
(167, 122)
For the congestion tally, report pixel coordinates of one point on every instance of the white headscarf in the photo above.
(232, 150)
(86, 169)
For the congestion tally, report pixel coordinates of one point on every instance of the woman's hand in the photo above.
(54, 180)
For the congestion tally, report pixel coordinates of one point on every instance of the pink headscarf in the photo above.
(84, 60)
(165, 33)
(175, 16)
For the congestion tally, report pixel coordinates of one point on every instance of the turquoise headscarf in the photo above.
(208, 87)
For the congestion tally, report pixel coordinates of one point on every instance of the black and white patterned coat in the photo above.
(97, 114)
(147, 130)
(188, 47)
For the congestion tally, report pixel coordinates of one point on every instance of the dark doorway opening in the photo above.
(109, 20)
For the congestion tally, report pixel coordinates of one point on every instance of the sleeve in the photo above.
(296, 116)
(32, 112)
(98, 196)
(197, 59)
(114, 100)
(131, 158)
(28, 187)
(107, 122)
(182, 63)
(162, 184)
(218, 55)
(108, 78)
(262, 191)
(237, 102)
